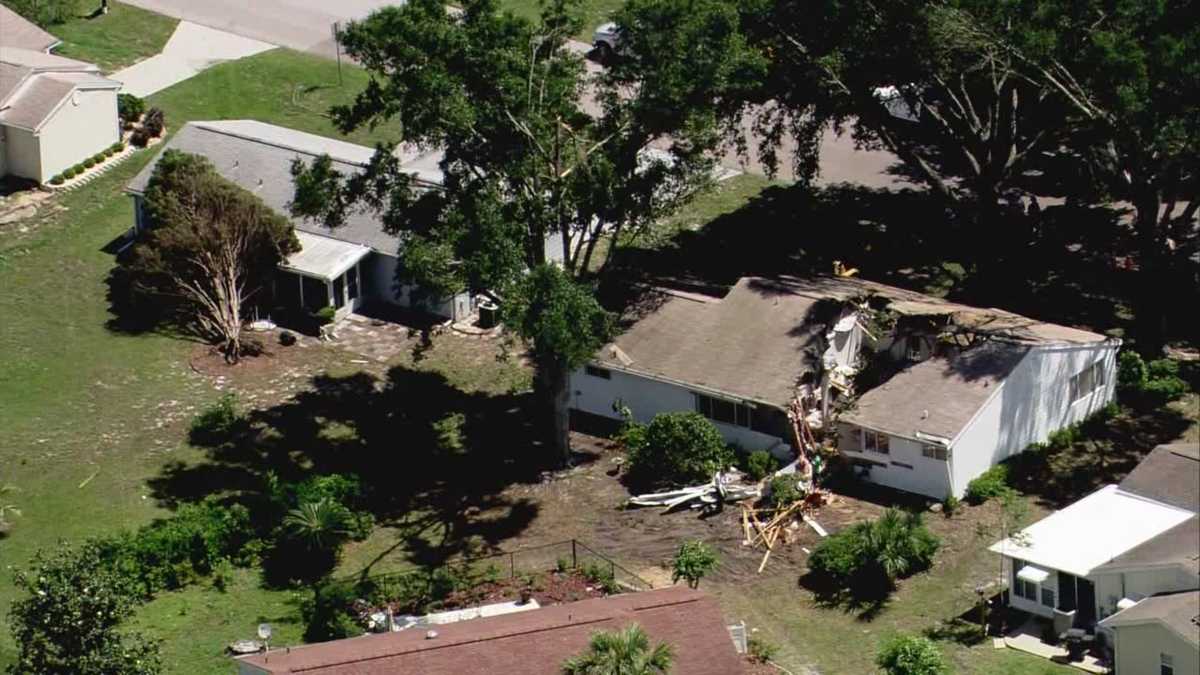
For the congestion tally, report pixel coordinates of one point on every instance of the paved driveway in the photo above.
(306, 25)
(191, 49)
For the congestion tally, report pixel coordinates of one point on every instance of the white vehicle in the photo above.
(607, 41)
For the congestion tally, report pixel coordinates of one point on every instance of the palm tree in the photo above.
(624, 652)
(322, 524)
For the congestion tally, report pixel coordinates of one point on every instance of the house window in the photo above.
(935, 452)
(1087, 380)
(1166, 664)
(723, 411)
(873, 441)
(1048, 598)
(1025, 589)
(596, 371)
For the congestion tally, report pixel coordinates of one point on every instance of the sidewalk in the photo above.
(191, 49)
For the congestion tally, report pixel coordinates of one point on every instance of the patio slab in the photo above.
(1028, 639)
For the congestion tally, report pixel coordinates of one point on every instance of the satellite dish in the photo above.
(264, 631)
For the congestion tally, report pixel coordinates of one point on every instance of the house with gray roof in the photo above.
(969, 387)
(345, 267)
(1114, 550)
(1160, 635)
(54, 112)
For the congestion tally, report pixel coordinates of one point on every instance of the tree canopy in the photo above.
(541, 161)
(209, 247)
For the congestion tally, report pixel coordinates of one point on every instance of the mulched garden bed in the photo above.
(552, 588)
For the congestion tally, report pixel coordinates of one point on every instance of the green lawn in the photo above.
(90, 415)
(595, 12)
(280, 86)
(118, 39)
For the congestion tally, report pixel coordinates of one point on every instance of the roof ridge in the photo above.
(203, 124)
(621, 611)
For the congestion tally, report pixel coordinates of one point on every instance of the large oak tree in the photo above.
(542, 161)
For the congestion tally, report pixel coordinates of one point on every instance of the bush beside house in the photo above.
(674, 449)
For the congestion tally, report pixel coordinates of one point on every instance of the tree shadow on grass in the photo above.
(1109, 450)
(381, 430)
(864, 601)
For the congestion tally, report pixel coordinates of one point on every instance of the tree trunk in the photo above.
(1151, 290)
(554, 385)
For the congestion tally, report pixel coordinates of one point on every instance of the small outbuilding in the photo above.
(55, 112)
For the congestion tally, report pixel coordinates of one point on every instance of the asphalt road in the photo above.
(307, 25)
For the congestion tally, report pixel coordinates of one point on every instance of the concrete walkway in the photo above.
(191, 49)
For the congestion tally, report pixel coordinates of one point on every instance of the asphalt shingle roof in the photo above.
(528, 643)
(938, 396)
(17, 31)
(1180, 611)
(1179, 546)
(259, 156)
(1169, 474)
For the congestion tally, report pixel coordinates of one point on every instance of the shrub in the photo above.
(325, 315)
(153, 123)
(868, 557)
(116, 147)
(328, 615)
(692, 562)
(57, 180)
(761, 651)
(173, 552)
(911, 655)
(130, 107)
(140, 138)
(45, 12)
(1153, 383)
(222, 574)
(989, 484)
(950, 505)
(760, 464)
(70, 614)
(69, 173)
(783, 491)
(218, 421)
(89, 163)
(602, 575)
(99, 157)
(287, 338)
(679, 447)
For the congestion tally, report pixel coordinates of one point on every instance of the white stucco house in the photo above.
(1113, 550)
(345, 267)
(55, 112)
(971, 387)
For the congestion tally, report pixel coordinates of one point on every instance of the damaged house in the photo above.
(922, 394)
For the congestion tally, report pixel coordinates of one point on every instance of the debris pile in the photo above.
(725, 486)
(777, 523)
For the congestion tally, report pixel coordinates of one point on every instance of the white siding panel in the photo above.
(1032, 402)
(928, 476)
(380, 272)
(646, 398)
(24, 153)
(1139, 649)
(83, 126)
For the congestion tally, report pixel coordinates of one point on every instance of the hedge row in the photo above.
(88, 163)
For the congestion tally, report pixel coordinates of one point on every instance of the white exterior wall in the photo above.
(84, 125)
(380, 270)
(1139, 650)
(1017, 602)
(928, 476)
(24, 153)
(1029, 405)
(1138, 585)
(646, 398)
